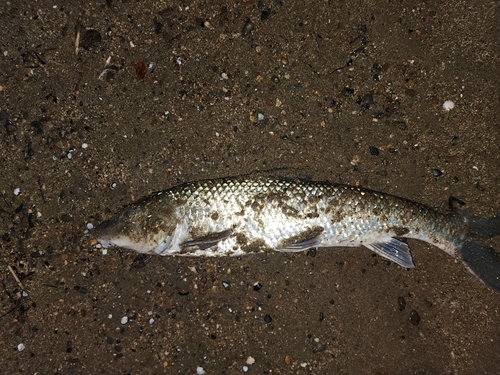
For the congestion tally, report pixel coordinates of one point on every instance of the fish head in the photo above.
(145, 227)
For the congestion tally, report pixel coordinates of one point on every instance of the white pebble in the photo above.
(250, 360)
(90, 226)
(84, 145)
(21, 347)
(199, 370)
(151, 321)
(448, 105)
(110, 316)
(124, 320)
(260, 116)
(104, 251)
(17, 191)
(245, 368)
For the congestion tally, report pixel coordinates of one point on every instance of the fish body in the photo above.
(236, 216)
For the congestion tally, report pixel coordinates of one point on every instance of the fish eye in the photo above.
(127, 213)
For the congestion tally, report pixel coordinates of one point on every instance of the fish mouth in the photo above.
(107, 231)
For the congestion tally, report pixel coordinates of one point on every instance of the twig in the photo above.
(16, 278)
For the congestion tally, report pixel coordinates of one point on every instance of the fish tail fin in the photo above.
(481, 260)
(482, 227)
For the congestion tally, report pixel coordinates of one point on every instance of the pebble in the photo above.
(245, 368)
(199, 370)
(90, 39)
(84, 145)
(17, 191)
(436, 172)
(10, 127)
(448, 105)
(401, 303)
(250, 360)
(288, 360)
(414, 318)
(268, 319)
(374, 151)
(124, 320)
(21, 347)
(247, 28)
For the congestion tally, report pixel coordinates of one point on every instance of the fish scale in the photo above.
(241, 215)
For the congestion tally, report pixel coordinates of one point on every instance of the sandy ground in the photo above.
(331, 90)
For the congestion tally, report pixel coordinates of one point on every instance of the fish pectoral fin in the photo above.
(394, 250)
(300, 246)
(209, 240)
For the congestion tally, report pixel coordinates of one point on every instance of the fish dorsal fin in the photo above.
(393, 249)
(209, 240)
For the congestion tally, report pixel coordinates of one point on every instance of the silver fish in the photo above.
(241, 215)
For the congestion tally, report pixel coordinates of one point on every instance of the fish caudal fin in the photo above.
(482, 261)
(482, 227)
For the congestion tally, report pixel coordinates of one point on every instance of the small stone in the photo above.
(250, 360)
(10, 127)
(414, 318)
(124, 320)
(257, 286)
(268, 319)
(401, 303)
(200, 371)
(90, 39)
(448, 105)
(436, 173)
(21, 347)
(374, 151)
(245, 368)
(17, 191)
(288, 360)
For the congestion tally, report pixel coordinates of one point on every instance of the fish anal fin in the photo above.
(393, 249)
(209, 240)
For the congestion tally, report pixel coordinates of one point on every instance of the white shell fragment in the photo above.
(448, 105)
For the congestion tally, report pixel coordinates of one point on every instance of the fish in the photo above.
(244, 215)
